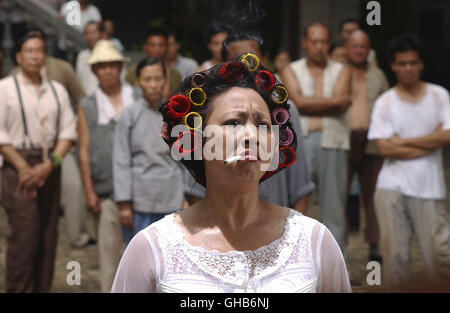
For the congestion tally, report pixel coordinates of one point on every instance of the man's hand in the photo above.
(396, 140)
(126, 214)
(93, 202)
(31, 179)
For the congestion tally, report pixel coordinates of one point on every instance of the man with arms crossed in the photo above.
(411, 122)
(320, 88)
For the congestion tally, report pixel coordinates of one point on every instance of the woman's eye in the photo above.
(232, 122)
(262, 123)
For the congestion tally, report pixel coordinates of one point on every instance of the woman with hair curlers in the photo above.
(232, 241)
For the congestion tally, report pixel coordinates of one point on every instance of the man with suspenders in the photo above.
(37, 129)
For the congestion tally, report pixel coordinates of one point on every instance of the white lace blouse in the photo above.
(305, 259)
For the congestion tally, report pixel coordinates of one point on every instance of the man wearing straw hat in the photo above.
(97, 121)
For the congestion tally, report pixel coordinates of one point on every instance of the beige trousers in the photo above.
(399, 217)
(73, 202)
(110, 243)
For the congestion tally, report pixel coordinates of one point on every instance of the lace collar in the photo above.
(235, 267)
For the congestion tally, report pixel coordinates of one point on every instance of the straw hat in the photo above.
(105, 51)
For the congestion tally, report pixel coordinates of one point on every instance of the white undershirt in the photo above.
(421, 177)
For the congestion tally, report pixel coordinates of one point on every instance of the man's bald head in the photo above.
(358, 47)
(316, 26)
(316, 42)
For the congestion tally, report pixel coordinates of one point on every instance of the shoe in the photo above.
(376, 257)
(355, 283)
(91, 242)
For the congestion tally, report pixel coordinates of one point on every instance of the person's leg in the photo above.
(355, 158)
(395, 231)
(110, 243)
(312, 148)
(22, 235)
(432, 228)
(48, 200)
(369, 173)
(333, 192)
(73, 202)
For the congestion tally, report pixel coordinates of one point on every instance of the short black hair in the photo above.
(100, 25)
(335, 45)
(149, 61)
(176, 33)
(348, 20)
(28, 34)
(305, 31)
(404, 43)
(215, 28)
(156, 31)
(241, 36)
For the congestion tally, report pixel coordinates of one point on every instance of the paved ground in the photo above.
(87, 257)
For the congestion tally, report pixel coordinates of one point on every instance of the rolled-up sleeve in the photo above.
(4, 136)
(67, 125)
(122, 170)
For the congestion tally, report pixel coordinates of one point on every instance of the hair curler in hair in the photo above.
(280, 115)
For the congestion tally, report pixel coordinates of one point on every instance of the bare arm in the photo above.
(435, 140)
(319, 106)
(92, 200)
(389, 149)
(11, 155)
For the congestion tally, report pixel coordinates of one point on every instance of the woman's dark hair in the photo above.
(28, 34)
(404, 43)
(149, 61)
(197, 92)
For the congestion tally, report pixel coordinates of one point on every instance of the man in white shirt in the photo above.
(37, 129)
(93, 32)
(411, 122)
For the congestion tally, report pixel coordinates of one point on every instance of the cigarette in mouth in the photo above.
(233, 159)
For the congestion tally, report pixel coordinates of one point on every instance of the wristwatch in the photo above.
(55, 159)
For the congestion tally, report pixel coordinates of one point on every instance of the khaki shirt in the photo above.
(376, 83)
(39, 105)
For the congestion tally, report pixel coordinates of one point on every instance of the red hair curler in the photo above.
(289, 156)
(178, 106)
(193, 140)
(264, 80)
(231, 71)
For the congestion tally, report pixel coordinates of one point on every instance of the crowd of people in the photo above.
(89, 136)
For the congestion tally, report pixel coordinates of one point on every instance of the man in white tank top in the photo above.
(320, 88)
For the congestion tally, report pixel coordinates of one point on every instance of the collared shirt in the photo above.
(144, 171)
(40, 105)
(106, 112)
(186, 66)
(62, 72)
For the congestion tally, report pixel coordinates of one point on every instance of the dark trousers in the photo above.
(367, 167)
(32, 231)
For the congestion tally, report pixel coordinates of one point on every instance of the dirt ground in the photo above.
(356, 253)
